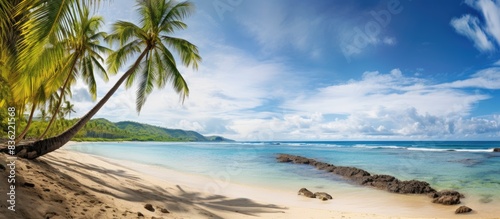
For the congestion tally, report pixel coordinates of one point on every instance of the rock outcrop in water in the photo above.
(446, 197)
(384, 182)
(496, 149)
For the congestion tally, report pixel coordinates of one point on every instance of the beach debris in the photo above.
(149, 207)
(496, 149)
(322, 195)
(306, 193)
(447, 197)
(463, 209)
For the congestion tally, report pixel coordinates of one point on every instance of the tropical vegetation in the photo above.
(105, 130)
(47, 45)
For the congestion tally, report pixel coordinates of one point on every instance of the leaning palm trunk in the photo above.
(38, 148)
(59, 102)
(28, 124)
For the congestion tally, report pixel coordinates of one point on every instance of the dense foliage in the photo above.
(104, 130)
(47, 45)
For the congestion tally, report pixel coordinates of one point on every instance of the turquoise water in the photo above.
(470, 167)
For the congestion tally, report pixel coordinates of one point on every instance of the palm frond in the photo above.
(187, 51)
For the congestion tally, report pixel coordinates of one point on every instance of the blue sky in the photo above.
(329, 70)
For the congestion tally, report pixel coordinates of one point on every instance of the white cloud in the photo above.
(392, 91)
(483, 35)
(389, 41)
(491, 14)
(244, 97)
(486, 79)
(276, 25)
(468, 26)
(378, 106)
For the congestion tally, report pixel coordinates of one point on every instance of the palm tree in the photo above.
(39, 98)
(68, 108)
(155, 65)
(83, 46)
(43, 114)
(28, 56)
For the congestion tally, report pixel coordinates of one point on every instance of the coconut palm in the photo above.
(155, 66)
(84, 58)
(39, 98)
(28, 52)
(43, 114)
(68, 108)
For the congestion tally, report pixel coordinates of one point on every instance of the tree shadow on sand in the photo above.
(174, 199)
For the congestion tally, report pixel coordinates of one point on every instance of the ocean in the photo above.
(471, 167)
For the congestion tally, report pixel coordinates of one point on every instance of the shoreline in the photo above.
(358, 200)
(92, 186)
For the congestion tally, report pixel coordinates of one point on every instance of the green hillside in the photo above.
(105, 130)
(102, 129)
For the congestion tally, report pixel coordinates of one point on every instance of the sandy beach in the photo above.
(67, 184)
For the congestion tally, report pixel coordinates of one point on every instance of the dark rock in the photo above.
(496, 149)
(463, 209)
(447, 200)
(330, 168)
(149, 207)
(410, 187)
(164, 210)
(322, 195)
(301, 160)
(447, 197)
(350, 172)
(306, 193)
(449, 192)
(320, 165)
(380, 181)
(283, 158)
(2, 167)
(27, 184)
(385, 182)
(364, 180)
(139, 214)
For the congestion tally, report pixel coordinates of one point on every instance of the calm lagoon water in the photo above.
(470, 167)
